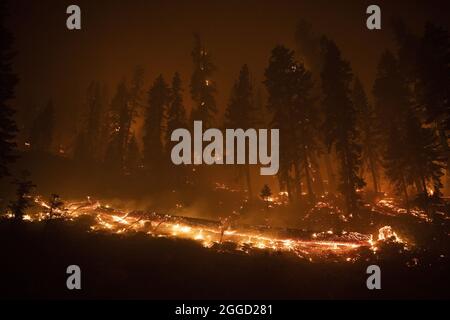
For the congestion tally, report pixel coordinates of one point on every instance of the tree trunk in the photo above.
(374, 173)
(405, 193)
(424, 185)
(330, 174)
(346, 179)
(288, 188)
(419, 186)
(249, 183)
(308, 180)
(318, 176)
(446, 148)
(298, 182)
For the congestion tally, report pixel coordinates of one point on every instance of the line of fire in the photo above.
(87, 178)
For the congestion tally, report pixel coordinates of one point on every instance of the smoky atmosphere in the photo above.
(224, 150)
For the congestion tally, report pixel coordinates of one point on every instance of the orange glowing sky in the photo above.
(55, 63)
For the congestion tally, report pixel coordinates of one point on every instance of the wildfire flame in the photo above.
(215, 233)
(386, 233)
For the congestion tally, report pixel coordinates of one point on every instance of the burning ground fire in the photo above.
(390, 206)
(220, 235)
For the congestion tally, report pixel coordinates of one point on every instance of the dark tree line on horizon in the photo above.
(332, 138)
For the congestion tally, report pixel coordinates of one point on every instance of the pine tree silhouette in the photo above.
(119, 115)
(8, 80)
(392, 105)
(42, 131)
(369, 133)
(241, 113)
(23, 196)
(94, 118)
(176, 118)
(424, 154)
(133, 156)
(433, 94)
(340, 121)
(305, 123)
(203, 87)
(136, 103)
(280, 81)
(158, 99)
(176, 113)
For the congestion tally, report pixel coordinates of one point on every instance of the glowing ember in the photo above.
(386, 233)
(391, 207)
(217, 234)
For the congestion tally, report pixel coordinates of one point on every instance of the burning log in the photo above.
(225, 234)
